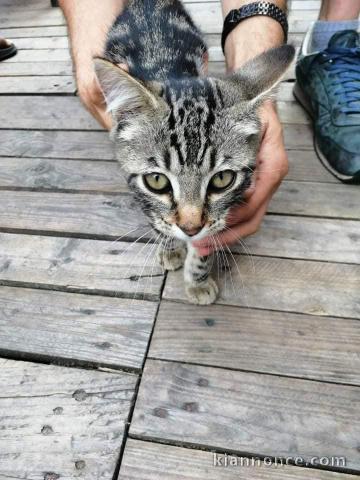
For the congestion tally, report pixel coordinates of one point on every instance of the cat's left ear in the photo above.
(124, 94)
(256, 79)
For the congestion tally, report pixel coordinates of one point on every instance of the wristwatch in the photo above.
(268, 9)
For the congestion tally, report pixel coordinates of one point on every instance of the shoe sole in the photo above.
(305, 102)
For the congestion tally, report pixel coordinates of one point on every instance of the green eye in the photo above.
(157, 182)
(222, 180)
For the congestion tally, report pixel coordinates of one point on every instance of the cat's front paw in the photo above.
(172, 259)
(203, 294)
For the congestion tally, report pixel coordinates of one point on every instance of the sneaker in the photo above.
(328, 87)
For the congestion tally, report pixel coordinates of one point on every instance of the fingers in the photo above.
(233, 234)
(93, 99)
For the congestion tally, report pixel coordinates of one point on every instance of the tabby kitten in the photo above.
(187, 142)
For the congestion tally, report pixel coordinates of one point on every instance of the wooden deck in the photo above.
(105, 371)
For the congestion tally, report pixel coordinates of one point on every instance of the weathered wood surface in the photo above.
(35, 69)
(52, 112)
(74, 328)
(305, 238)
(319, 199)
(150, 461)
(41, 43)
(80, 175)
(304, 165)
(246, 412)
(113, 214)
(33, 32)
(60, 422)
(56, 144)
(84, 266)
(259, 340)
(96, 145)
(100, 215)
(69, 114)
(316, 288)
(37, 85)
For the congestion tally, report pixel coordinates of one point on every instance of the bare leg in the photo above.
(89, 22)
(338, 10)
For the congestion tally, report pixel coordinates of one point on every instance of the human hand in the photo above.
(271, 168)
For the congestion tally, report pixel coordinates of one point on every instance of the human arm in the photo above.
(88, 23)
(250, 38)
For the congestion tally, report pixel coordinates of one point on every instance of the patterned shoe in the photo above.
(328, 87)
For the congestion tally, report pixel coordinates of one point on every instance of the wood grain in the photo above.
(52, 112)
(36, 69)
(37, 85)
(101, 215)
(256, 340)
(60, 422)
(305, 238)
(245, 412)
(319, 199)
(33, 32)
(84, 266)
(149, 461)
(73, 329)
(53, 144)
(316, 288)
(55, 174)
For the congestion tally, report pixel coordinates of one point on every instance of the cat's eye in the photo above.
(157, 182)
(222, 180)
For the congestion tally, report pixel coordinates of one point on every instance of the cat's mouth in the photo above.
(173, 230)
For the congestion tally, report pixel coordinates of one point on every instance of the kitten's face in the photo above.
(191, 161)
(189, 146)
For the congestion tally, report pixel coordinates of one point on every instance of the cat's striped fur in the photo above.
(170, 119)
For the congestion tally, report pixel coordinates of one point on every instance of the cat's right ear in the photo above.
(124, 94)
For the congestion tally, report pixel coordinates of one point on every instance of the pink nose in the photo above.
(190, 230)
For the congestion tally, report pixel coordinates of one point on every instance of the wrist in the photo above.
(251, 37)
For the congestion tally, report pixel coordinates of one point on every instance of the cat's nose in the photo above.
(190, 230)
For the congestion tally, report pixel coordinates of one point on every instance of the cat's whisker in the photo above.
(240, 276)
(122, 236)
(151, 252)
(245, 247)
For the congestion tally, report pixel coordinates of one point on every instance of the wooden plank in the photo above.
(98, 175)
(34, 43)
(320, 199)
(25, 17)
(69, 264)
(68, 113)
(96, 145)
(149, 461)
(256, 340)
(304, 238)
(100, 215)
(61, 422)
(54, 144)
(298, 137)
(106, 215)
(46, 55)
(35, 68)
(31, 32)
(73, 328)
(305, 166)
(34, 85)
(279, 236)
(315, 288)
(245, 412)
(65, 113)
(79, 175)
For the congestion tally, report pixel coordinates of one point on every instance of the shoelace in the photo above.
(343, 65)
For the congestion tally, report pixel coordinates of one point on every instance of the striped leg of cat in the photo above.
(201, 289)
(171, 256)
